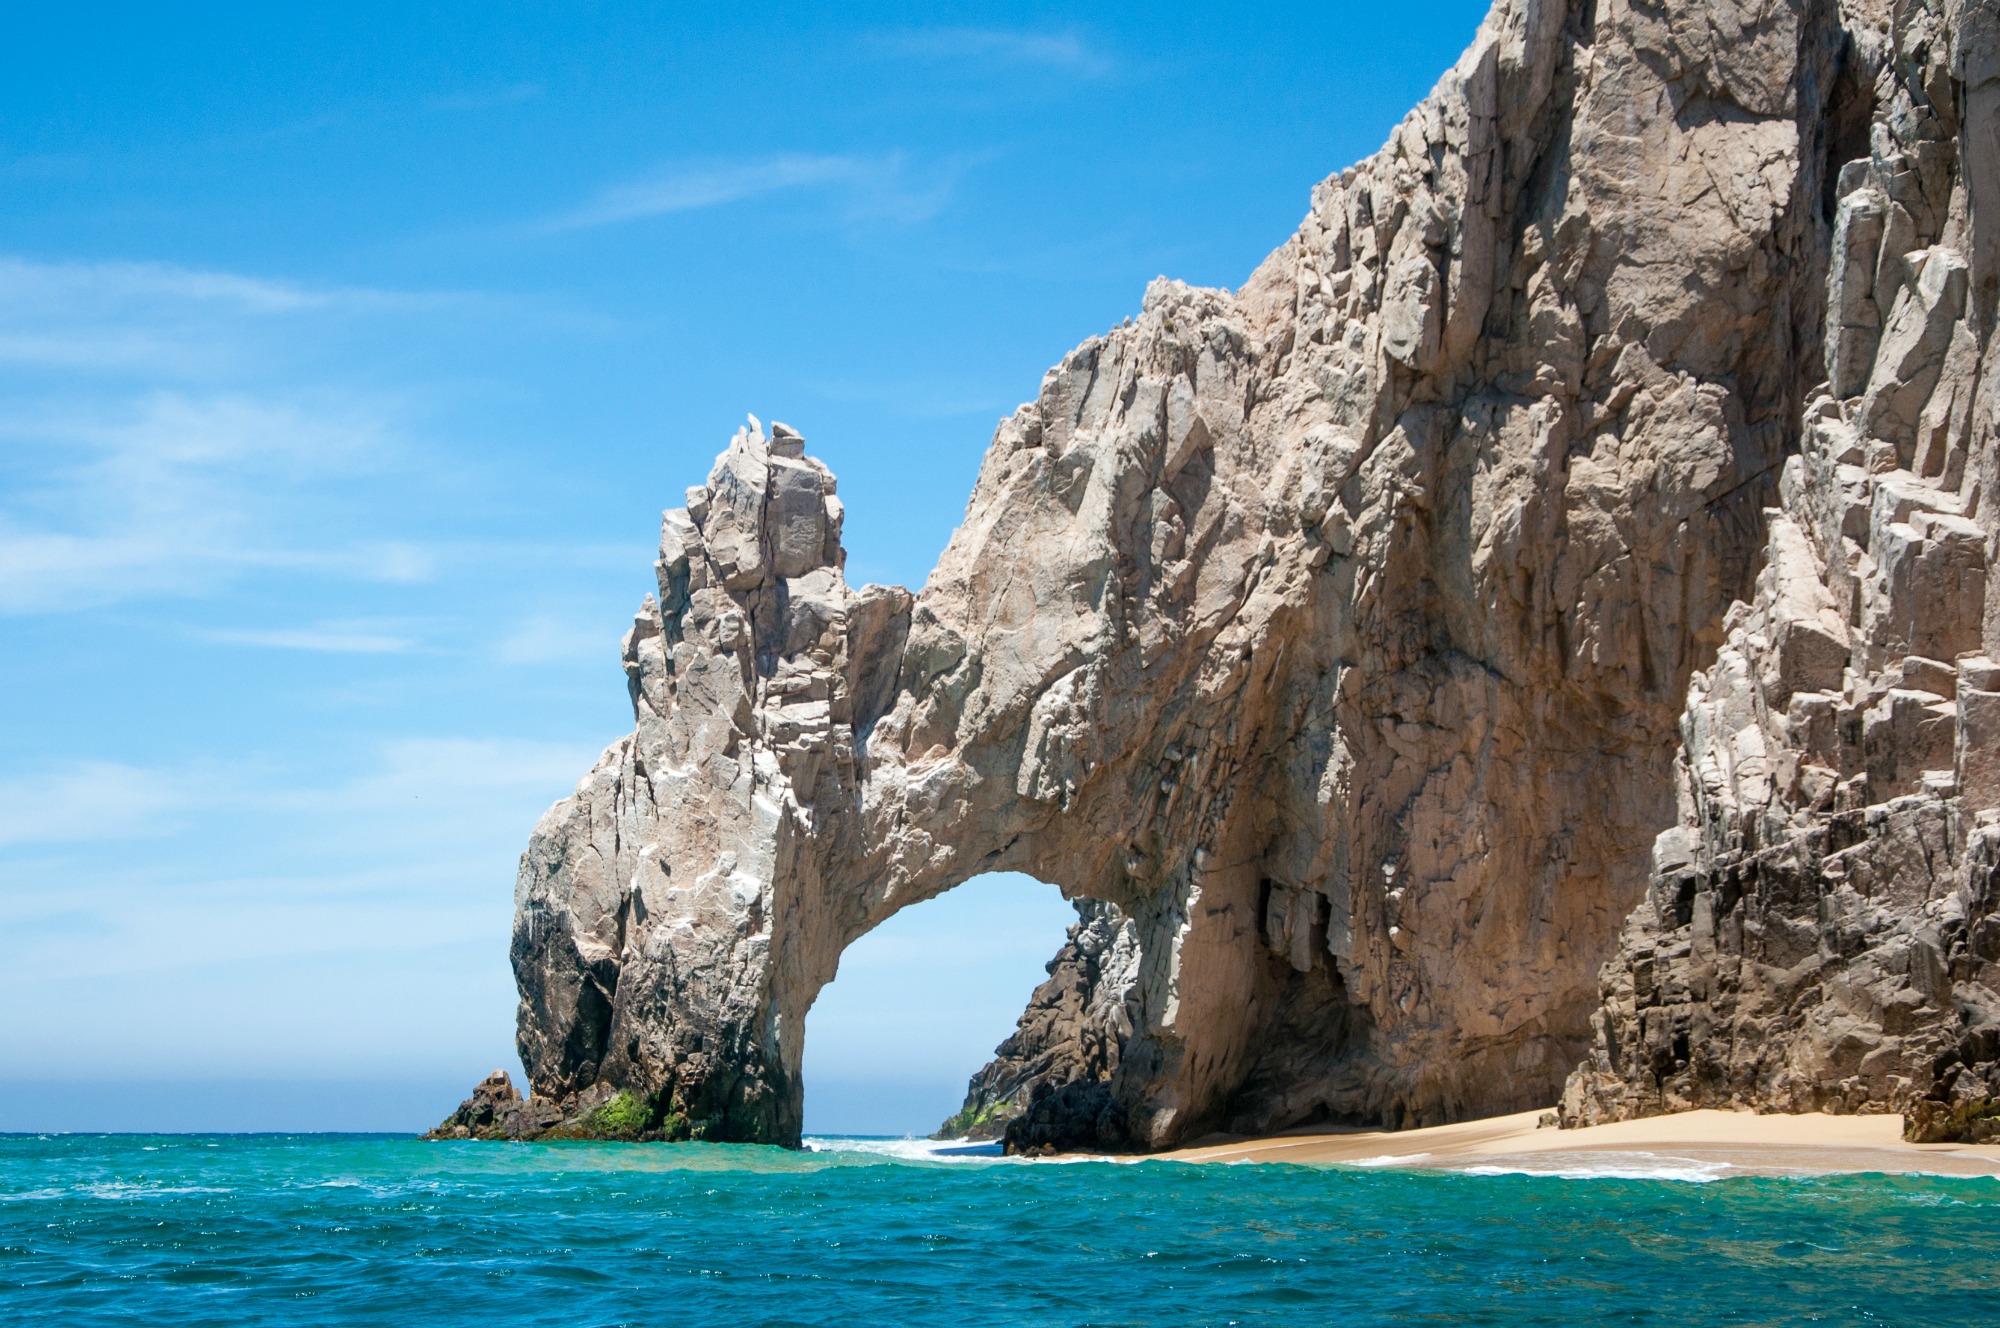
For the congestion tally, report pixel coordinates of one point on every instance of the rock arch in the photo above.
(1334, 629)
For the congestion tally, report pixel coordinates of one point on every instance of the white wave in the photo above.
(907, 1149)
(1388, 1160)
(127, 1190)
(1603, 1166)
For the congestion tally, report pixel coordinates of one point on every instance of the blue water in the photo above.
(365, 1230)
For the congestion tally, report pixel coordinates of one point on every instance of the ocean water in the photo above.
(363, 1230)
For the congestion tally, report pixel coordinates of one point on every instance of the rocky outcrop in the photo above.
(1334, 630)
(1820, 929)
(1070, 1036)
(496, 1110)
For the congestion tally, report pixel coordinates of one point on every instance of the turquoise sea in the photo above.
(357, 1229)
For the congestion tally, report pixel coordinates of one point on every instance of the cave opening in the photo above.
(920, 1003)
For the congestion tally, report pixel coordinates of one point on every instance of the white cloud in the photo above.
(177, 466)
(457, 771)
(45, 286)
(336, 903)
(87, 800)
(175, 493)
(431, 796)
(997, 46)
(416, 849)
(882, 187)
(122, 317)
(340, 638)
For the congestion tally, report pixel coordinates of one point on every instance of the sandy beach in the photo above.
(1691, 1145)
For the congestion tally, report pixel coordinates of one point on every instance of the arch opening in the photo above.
(920, 1004)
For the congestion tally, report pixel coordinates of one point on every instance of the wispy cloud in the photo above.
(87, 800)
(339, 897)
(44, 284)
(336, 638)
(423, 783)
(1001, 47)
(127, 317)
(428, 797)
(413, 846)
(176, 491)
(179, 463)
(885, 187)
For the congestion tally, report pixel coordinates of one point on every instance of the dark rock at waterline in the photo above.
(496, 1110)
(1073, 1030)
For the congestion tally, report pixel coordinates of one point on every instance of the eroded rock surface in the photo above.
(1334, 629)
(1820, 932)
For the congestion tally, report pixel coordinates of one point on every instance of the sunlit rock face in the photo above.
(1823, 924)
(1334, 631)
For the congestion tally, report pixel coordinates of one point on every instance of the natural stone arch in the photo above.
(816, 759)
(1333, 629)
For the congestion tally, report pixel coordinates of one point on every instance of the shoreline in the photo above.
(1705, 1144)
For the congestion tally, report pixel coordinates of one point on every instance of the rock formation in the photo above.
(1068, 1041)
(496, 1110)
(1821, 930)
(1335, 630)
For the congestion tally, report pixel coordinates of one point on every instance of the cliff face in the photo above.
(1820, 931)
(1333, 630)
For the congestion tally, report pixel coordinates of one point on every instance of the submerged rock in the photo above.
(1337, 633)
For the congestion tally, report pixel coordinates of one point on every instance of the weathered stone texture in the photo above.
(1820, 930)
(1334, 630)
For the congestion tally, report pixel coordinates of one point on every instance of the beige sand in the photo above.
(1691, 1145)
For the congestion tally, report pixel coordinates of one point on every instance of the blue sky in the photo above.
(347, 357)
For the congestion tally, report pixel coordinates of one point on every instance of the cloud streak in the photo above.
(335, 896)
(87, 800)
(996, 47)
(352, 638)
(177, 491)
(419, 798)
(883, 187)
(83, 287)
(545, 639)
(161, 319)
(511, 95)
(195, 449)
